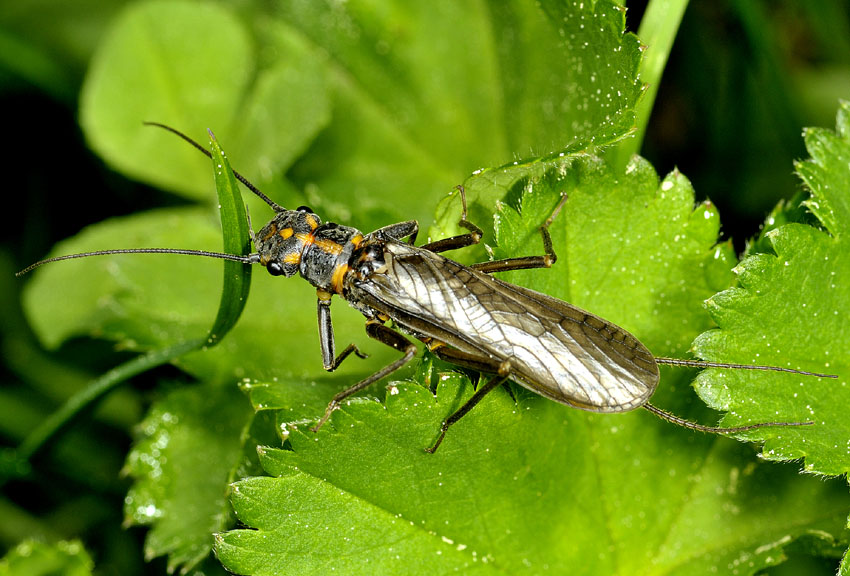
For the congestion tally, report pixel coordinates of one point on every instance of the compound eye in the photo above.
(305, 209)
(275, 268)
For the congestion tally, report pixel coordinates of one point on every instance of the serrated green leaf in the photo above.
(370, 540)
(630, 236)
(531, 486)
(826, 174)
(659, 27)
(508, 496)
(785, 212)
(190, 447)
(33, 558)
(123, 307)
(603, 97)
(790, 310)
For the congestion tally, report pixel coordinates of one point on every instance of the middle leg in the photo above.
(528, 262)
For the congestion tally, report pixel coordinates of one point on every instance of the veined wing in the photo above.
(554, 349)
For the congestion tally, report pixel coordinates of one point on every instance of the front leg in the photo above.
(376, 330)
(326, 335)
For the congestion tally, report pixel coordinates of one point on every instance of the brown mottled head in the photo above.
(282, 241)
(296, 241)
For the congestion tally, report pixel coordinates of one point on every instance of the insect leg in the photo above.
(387, 336)
(527, 262)
(326, 335)
(461, 240)
(398, 231)
(501, 376)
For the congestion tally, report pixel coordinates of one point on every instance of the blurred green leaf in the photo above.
(33, 558)
(26, 61)
(236, 284)
(354, 101)
(48, 43)
(192, 66)
(124, 306)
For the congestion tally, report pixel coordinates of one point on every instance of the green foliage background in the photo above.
(371, 113)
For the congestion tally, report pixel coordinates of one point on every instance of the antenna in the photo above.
(664, 415)
(274, 205)
(703, 364)
(249, 259)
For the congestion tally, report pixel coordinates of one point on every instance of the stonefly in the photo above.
(461, 313)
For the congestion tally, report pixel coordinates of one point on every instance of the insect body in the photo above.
(560, 352)
(462, 313)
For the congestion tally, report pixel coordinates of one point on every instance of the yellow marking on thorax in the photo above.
(329, 246)
(306, 239)
(337, 278)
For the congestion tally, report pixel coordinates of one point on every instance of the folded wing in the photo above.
(554, 349)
